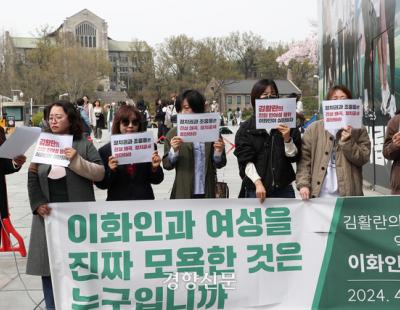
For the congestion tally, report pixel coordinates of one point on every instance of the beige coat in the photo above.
(351, 155)
(391, 151)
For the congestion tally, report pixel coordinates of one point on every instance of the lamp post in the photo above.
(17, 94)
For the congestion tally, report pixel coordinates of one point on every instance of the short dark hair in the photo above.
(195, 100)
(74, 118)
(339, 87)
(260, 87)
(80, 102)
(124, 112)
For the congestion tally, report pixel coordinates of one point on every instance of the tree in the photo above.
(243, 50)
(176, 57)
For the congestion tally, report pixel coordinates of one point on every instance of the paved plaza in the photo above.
(16, 287)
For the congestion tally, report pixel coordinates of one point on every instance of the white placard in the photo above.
(133, 147)
(272, 112)
(198, 127)
(341, 113)
(50, 149)
(19, 142)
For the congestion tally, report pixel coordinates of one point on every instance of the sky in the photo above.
(155, 20)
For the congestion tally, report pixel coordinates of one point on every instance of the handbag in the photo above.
(221, 188)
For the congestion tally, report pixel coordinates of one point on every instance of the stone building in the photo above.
(91, 31)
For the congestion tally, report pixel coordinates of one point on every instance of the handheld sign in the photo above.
(341, 113)
(50, 149)
(272, 112)
(132, 148)
(198, 127)
(19, 142)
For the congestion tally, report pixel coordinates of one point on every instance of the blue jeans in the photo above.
(285, 192)
(48, 293)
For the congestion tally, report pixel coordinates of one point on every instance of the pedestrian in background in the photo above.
(99, 116)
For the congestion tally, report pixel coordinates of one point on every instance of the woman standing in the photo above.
(195, 164)
(49, 183)
(99, 116)
(391, 151)
(265, 158)
(331, 162)
(129, 182)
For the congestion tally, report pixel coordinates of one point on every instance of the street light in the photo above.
(17, 94)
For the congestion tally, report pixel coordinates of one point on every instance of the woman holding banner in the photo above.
(195, 163)
(265, 158)
(133, 181)
(51, 184)
(331, 162)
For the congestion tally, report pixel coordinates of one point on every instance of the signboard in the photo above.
(341, 113)
(272, 112)
(228, 254)
(50, 149)
(19, 142)
(198, 127)
(133, 147)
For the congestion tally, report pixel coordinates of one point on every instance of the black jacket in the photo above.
(267, 152)
(6, 167)
(121, 185)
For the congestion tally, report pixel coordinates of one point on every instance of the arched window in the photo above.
(85, 34)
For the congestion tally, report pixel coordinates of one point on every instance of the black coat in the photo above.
(267, 152)
(121, 185)
(6, 167)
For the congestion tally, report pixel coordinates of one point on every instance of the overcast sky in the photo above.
(155, 20)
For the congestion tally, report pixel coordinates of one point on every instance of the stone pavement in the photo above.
(19, 291)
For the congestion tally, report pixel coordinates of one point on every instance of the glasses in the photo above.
(126, 121)
(56, 117)
(268, 96)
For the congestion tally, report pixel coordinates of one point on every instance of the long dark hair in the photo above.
(126, 111)
(195, 100)
(260, 87)
(74, 118)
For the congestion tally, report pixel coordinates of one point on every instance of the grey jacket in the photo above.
(79, 188)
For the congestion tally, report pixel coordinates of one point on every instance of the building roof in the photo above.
(285, 87)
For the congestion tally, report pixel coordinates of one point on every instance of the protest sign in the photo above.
(198, 127)
(341, 113)
(272, 112)
(228, 254)
(133, 147)
(50, 149)
(19, 142)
